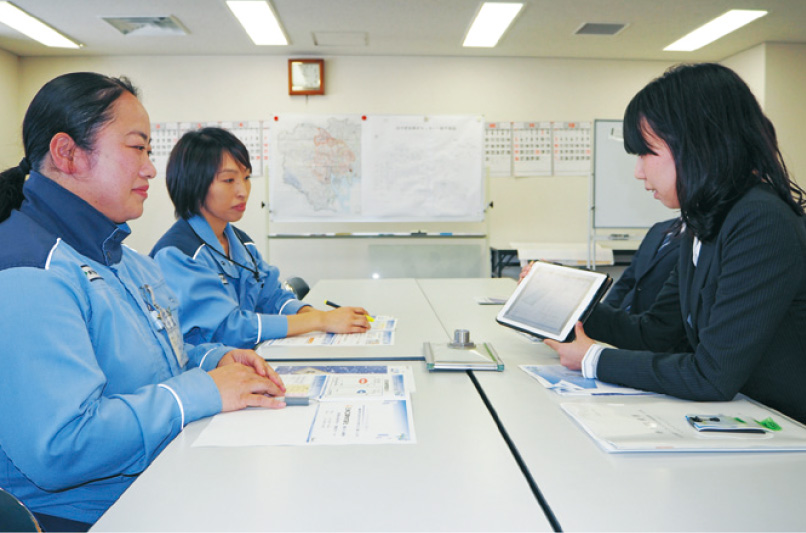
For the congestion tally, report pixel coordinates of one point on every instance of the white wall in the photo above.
(10, 136)
(501, 89)
(750, 65)
(785, 103)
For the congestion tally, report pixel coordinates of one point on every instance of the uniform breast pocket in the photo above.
(165, 297)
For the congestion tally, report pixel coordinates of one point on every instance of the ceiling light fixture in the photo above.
(711, 31)
(490, 23)
(259, 21)
(16, 18)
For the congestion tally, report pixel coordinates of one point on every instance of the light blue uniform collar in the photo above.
(238, 250)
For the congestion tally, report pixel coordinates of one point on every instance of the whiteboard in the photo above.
(620, 200)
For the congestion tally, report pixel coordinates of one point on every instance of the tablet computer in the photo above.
(552, 298)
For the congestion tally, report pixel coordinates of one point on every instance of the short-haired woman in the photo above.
(228, 293)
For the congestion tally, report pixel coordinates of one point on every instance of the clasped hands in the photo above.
(244, 379)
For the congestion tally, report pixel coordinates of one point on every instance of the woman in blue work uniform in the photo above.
(227, 292)
(96, 377)
(738, 293)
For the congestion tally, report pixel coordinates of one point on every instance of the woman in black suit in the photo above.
(639, 285)
(738, 292)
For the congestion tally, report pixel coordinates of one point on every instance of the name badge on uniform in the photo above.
(90, 273)
(223, 279)
(175, 336)
(164, 321)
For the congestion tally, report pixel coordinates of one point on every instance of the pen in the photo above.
(336, 306)
(299, 400)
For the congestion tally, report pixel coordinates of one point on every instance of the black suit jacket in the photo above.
(649, 269)
(742, 309)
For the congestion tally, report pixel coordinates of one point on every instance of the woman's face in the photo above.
(226, 198)
(117, 180)
(658, 170)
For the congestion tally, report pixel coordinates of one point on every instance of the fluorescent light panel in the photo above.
(710, 32)
(16, 18)
(491, 22)
(259, 21)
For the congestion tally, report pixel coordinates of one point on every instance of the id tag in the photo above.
(175, 336)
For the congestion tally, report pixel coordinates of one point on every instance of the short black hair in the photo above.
(193, 164)
(720, 139)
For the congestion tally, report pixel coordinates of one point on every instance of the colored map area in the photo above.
(316, 170)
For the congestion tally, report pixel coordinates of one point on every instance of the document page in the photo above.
(570, 382)
(659, 424)
(361, 404)
(381, 333)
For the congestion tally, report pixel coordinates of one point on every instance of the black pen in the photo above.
(336, 306)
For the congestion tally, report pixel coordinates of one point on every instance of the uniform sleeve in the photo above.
(760, 262)
(208, 313)
(205, 356)
(61, 425)
(274, 299)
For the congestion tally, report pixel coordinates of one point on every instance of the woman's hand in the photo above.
(572, 353)
(244, 379)
(251, 358)
(346, 320)
(525, 271)
(341, 320)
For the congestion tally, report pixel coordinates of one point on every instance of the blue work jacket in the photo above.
(92, 387)
(237, 300)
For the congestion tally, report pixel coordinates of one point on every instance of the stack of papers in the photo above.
(659, 424)
(346, 404)
(564, 381)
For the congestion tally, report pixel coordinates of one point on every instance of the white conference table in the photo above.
(590, 490)
(459, 476)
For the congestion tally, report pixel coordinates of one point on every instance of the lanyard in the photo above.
(254, 270)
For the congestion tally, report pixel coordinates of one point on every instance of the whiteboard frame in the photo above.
(611, 193)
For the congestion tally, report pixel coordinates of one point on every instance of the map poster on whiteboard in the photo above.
(376, 168)
(423, 168)
(315, 168)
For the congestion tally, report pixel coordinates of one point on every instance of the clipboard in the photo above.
(552, 298)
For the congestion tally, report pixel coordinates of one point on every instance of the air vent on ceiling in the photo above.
(147, 26)
(340, 38)
(599, 28)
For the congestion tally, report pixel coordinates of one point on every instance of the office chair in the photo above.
(14, 516)
(297, 286)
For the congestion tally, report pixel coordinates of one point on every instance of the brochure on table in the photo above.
(570, 382)
(381, 333)
(659, 424)
(367, 404)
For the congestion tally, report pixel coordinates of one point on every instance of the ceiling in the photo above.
(544, 28)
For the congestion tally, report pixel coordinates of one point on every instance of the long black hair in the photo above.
(193, 164)
(78, 104)
(721, 141)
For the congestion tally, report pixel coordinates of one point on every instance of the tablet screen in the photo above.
(551, 299)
